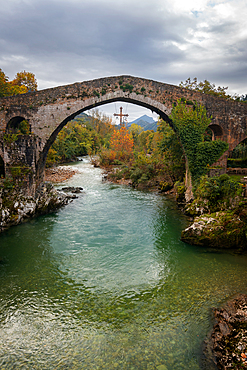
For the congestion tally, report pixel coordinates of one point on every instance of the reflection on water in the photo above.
(105, 283)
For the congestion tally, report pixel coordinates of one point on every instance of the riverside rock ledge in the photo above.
(221, 230)
(17, 208)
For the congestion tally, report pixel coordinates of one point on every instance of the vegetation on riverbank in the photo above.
(220, 211)
(157, 161)
(146, 158)
(85, 135)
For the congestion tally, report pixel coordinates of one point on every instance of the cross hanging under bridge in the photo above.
(121, 115)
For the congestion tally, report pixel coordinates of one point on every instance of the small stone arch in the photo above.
(235, 153)
(18, 124)
(217, 131)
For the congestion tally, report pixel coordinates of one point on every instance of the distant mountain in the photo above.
(146, 122)
(144, 118)
(85, 116)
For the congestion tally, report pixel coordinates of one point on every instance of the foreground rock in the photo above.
(16, 208)
(217, 230)
(226, 345)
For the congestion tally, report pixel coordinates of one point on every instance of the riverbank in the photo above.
(59, 174)
(16, 208)
(156, 184)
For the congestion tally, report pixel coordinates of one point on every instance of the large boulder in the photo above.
(15, 207)
(224, 230)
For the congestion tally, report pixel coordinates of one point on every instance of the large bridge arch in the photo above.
(153, 105)
(47, 111)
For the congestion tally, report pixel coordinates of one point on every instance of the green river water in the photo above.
(106, 283)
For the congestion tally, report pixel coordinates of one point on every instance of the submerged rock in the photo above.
(218, 230)
(226, 345)
(72, 189)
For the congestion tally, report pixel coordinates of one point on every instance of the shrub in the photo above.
(219, 192)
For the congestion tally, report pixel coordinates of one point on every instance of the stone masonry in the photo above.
(48, 111)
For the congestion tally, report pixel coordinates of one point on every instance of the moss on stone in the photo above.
(223, 230)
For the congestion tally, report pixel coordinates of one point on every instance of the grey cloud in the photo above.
(68, 41)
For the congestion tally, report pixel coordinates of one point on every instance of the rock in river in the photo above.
(223, 230)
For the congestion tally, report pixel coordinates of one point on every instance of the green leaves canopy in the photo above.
(190, 124)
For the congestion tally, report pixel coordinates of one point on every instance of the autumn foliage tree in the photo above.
(121, 145)
(22, 83)
(25, 79)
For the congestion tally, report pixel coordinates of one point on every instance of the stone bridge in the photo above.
(47, 112)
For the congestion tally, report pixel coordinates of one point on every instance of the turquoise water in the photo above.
(106, 283)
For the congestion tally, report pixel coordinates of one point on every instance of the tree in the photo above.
(121, 144)
(73, 140)
(4, 87)
(144, 141)
(102, 125)
(190, 124)
(205, 87)
(23, 82)
(135, 131)
(172, 151)
(26, 79)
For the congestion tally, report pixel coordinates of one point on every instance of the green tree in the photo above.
(135, 131)
(144, 141)
(190, 124)
(205, 87)
(102, 125)
(74, 140)
(172, 151)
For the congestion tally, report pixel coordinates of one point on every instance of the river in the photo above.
(106, 283)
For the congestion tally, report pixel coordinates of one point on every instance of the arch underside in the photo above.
(144, 104)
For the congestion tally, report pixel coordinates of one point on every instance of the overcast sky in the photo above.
(67, 41)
